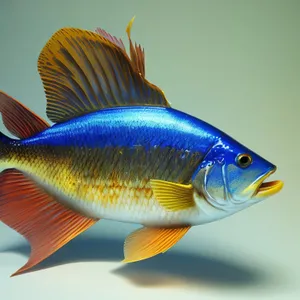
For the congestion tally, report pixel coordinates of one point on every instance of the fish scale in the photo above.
(110, 182)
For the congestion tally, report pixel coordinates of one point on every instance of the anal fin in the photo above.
(148, 242)
(44, 222)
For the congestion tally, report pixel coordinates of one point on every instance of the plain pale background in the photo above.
(234, 64)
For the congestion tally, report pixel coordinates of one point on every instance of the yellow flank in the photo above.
(113, 182)
(84, 185)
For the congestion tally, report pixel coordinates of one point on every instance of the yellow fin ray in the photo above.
(148, 242)
(137, 53)
(173, 196)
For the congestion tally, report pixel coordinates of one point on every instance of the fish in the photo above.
(116, 150)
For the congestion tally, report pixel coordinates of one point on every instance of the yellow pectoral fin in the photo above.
(173, 196)
(148, 242)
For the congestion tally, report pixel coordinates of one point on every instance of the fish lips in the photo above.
(263, 189)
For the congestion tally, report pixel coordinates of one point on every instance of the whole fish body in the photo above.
(109, 178)
(117, 151)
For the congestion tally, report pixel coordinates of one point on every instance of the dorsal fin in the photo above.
(111, 38)
(137, 53)
(19, 119)
(84, 72)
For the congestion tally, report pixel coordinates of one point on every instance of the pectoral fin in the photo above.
(148, 242)
(173, 196)
(44, 222)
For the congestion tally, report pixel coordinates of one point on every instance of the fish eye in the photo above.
(244, 160)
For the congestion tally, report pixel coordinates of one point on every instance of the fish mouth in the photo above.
(266, 189)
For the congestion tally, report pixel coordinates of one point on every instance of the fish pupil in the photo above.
(244, 160)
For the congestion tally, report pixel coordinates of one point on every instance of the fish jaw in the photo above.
(267, 189)
(262, 189)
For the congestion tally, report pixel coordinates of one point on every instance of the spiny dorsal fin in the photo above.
(84, 72)
(19, 119)
(137, 53)
(111, 38)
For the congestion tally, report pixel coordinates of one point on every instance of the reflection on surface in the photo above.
(171, 268)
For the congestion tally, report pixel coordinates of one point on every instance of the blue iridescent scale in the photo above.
(131, 126)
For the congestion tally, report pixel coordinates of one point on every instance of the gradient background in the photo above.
(234, 64)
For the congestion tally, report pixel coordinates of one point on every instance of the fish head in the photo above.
(232, 177)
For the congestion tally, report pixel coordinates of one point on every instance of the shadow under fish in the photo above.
(172, 268)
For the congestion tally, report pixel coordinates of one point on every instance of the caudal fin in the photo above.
(18, 119)
(25, 206)
(43, 221)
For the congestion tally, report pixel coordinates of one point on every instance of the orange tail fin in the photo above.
(45, 223)
(18, 119)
